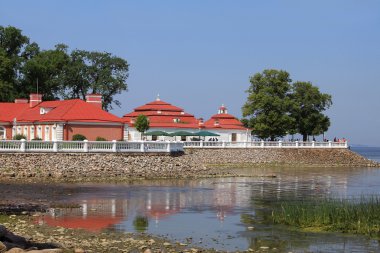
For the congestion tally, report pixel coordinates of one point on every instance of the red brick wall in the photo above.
(8, 129)
(92, 131)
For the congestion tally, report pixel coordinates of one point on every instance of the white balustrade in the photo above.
(264, 144)
(90, 146)
(151, 146)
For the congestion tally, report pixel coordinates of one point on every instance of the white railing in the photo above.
(264, 144)
(91, 146)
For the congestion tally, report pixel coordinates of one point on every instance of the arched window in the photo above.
(3, 133)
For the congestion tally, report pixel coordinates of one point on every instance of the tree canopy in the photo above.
(275, 106)
(268, 104)
(142, 124)
(58, 72)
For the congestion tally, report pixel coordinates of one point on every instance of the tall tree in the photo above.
(95, 72)
(268, 104)
(309, 103)
(142, 124)
(43, 71)
(12, 44)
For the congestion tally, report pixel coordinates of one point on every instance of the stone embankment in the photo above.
(194, 163)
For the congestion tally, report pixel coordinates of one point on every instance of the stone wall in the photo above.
(194, 163)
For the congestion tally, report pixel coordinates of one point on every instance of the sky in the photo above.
(200, 54)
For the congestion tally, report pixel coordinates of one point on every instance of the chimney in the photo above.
(35, 99)
(95, 99)
(21, 101)
(200, 122)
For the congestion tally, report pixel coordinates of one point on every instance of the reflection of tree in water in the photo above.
(140, 223)
(277, 238)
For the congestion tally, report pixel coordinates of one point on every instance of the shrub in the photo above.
(79, 137)
(37, 139)
(100, 139)
(19, 137)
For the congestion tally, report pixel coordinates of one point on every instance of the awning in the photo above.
(205, 133)
(181, 133)
(157, 133)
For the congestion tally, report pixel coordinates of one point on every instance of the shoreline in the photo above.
(194, 163)
(80, 240)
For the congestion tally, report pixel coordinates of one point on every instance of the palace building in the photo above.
(58, 120)
(166, 117)
(62, 119)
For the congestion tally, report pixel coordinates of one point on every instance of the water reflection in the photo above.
(225, 213)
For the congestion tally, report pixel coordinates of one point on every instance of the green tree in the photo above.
(95, 72)
(12, 44)
(308, 105)
(58, 73)
(268, 104)
(142, 124)
(46, 68)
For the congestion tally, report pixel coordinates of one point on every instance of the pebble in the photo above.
(2, 247)
(194, 163)
(79, 250)
(250, 228)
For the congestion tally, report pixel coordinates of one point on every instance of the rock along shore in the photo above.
(194, 163)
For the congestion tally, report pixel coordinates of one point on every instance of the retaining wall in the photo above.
(194, 163)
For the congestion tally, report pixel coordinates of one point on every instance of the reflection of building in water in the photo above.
(92, 215)
(219, 196)
(160, 205)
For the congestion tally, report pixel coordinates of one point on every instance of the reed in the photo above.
(358, 216)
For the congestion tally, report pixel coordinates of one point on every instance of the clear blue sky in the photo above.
(200, 54)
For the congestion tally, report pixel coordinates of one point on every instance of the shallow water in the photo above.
(213, 213)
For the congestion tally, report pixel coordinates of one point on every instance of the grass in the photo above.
(359, 216)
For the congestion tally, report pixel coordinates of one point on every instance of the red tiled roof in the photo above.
(65, 110)
(225, 121)
(162, 115)
(9, 111)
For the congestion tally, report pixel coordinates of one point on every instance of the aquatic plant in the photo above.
(357, 216)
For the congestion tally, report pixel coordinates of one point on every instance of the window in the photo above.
(39, 132)
(32, 132)
(2, 133)
(26, 132)
(18, 130)
(233, 137)
(176, 120)
(47, 133)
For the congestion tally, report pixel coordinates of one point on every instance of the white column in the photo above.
(168, 146)
(262, 143)
(313, 144)
(223, 144)
(114, 148)
(142, 147)
(23, 145)
(330, 144)
(55, 146)
(280, 143)
(297, 144)
(85, 146)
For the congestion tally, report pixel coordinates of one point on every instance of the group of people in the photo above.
(213, 139)
(339, 140)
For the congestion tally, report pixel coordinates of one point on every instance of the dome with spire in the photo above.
(162, 115)
(223, 120)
